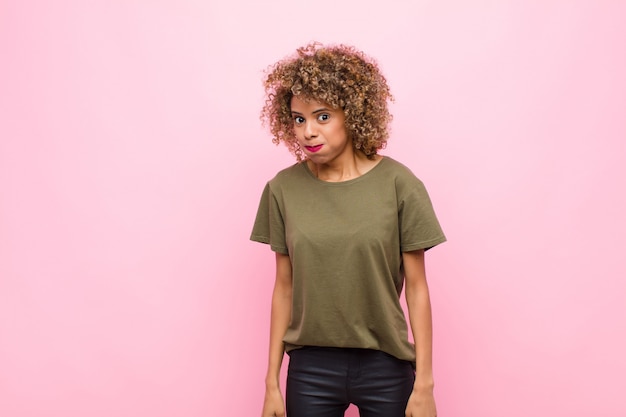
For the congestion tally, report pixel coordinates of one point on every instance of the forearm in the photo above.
(281, 314)
(280, 317)
(420, 317)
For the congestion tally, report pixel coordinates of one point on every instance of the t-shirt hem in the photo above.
(279, 249)
(408, 357)
(260, 239)
(428, 244)
(266, 240)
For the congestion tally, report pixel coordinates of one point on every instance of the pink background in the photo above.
(132, 160)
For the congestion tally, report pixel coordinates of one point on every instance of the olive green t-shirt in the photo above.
(345, 242)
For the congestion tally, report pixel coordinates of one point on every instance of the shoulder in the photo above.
(392, 164)
(294, 171)
(402, 175)
(289, 180)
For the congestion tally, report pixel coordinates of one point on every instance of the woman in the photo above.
(349, 228)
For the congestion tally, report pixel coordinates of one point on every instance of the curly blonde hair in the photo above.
(339, 76)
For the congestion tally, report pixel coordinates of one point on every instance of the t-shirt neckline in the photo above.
(338, 183)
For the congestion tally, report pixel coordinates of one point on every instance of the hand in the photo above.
(421, 404)
(273, 405)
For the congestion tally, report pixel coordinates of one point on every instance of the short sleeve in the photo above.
(269, 226)
(418, 224)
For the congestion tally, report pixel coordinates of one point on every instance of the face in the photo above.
(321, 131)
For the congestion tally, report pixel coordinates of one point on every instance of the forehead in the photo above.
(304, 104)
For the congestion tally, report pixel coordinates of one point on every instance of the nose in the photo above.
(309, 131)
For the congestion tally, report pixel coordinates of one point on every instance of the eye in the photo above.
(323, 117)
(298, 120)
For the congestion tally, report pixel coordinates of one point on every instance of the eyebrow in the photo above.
(313, 112)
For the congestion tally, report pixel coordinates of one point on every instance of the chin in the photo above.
(318, 159)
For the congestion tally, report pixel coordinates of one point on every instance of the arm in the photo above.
(421, 402)
(273, 405)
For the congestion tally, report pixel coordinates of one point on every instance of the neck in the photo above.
(352, 166)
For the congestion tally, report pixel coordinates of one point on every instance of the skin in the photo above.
(316, 123)
(422, 401)
(274, 405)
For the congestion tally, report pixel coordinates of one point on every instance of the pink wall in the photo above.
(131, 162)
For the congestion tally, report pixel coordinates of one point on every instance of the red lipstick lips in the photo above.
(313, 148)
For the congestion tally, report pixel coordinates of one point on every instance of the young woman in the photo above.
(349, 229)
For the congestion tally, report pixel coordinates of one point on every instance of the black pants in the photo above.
(322, 382)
